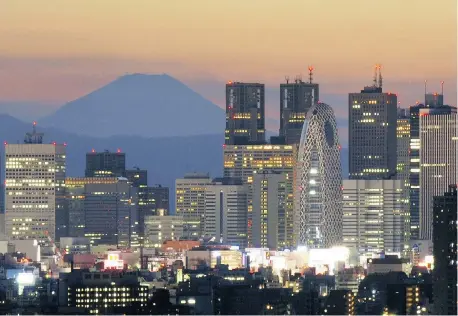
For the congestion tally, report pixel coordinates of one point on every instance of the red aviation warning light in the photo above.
(5, 143)
(118, 151)
(93, 150)
(54, 143)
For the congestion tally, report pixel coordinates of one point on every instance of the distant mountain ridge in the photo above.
(139, 104)
(166, 158)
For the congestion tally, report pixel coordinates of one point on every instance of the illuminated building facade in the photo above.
(137, 177)
(438, 143)
(158, 229)
(318, 197)
(190, 203)
(105, 164)
(244, 113)
(295, 100)
(34, 189)
(374, 216)
(403, 163)
(106, 292)
(269, 209)
(110, 213)
(226, 211)
(243, 161)
(372, 133)
(74, 202)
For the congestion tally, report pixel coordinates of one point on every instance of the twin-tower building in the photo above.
(302, 163)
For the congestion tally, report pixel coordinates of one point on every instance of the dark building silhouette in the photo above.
(152, 201)
(245, 117)
(137, 177)
(445, 255)
(296, 98)
(105, 164)
(339, 302)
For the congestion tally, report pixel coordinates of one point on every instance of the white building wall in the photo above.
(374, 216)
(438, 143)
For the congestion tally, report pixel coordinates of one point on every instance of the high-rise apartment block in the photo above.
(226, 211)
(445, 254)
(190, 203)
(158, 229)
(296, 98)
(110, 213)
(438, 167)
(34, 189)
(244, 161)
(372, 133)
(374, 216)
(105, 164)
(245, 109)
(269, 209)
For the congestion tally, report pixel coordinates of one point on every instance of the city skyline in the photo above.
(59, 61)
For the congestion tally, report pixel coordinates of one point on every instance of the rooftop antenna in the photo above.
(380, 78)
(426, 81)
(311, 74)
(287, 79)
(442, 88)
(375, 75)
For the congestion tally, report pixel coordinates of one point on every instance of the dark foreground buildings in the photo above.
(445, 256)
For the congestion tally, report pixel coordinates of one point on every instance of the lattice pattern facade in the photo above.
(318, 196)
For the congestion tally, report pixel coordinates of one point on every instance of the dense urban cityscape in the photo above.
(278, 232)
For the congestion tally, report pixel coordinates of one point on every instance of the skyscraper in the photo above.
(431, 100)
(74, 201)
(105, 164)
(226, 211)
(190, 203)
(438, 145)
(34, 189)
(269, 208)
(244, 113)
(372, 133)
(110, 213)
(403, 164)
(244, 161)
(295, 100)
(158, 229)
(374, 216)
(318, 199)
(445, 255)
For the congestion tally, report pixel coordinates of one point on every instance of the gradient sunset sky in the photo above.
(52, 52)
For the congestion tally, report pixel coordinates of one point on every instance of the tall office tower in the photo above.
(318, 198)
(137, 177)
(445, 255)
(403, 163)
(245, 120)
(110, 213)
(372, 133)
(247, 160)
(190, 203)
(105, 164)
(34, 189)
(158, 229)
(226, 211)
(431, 100)
(374, 216)
(74, 201)
(295, 100)
(438, 145)
(269, 207)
